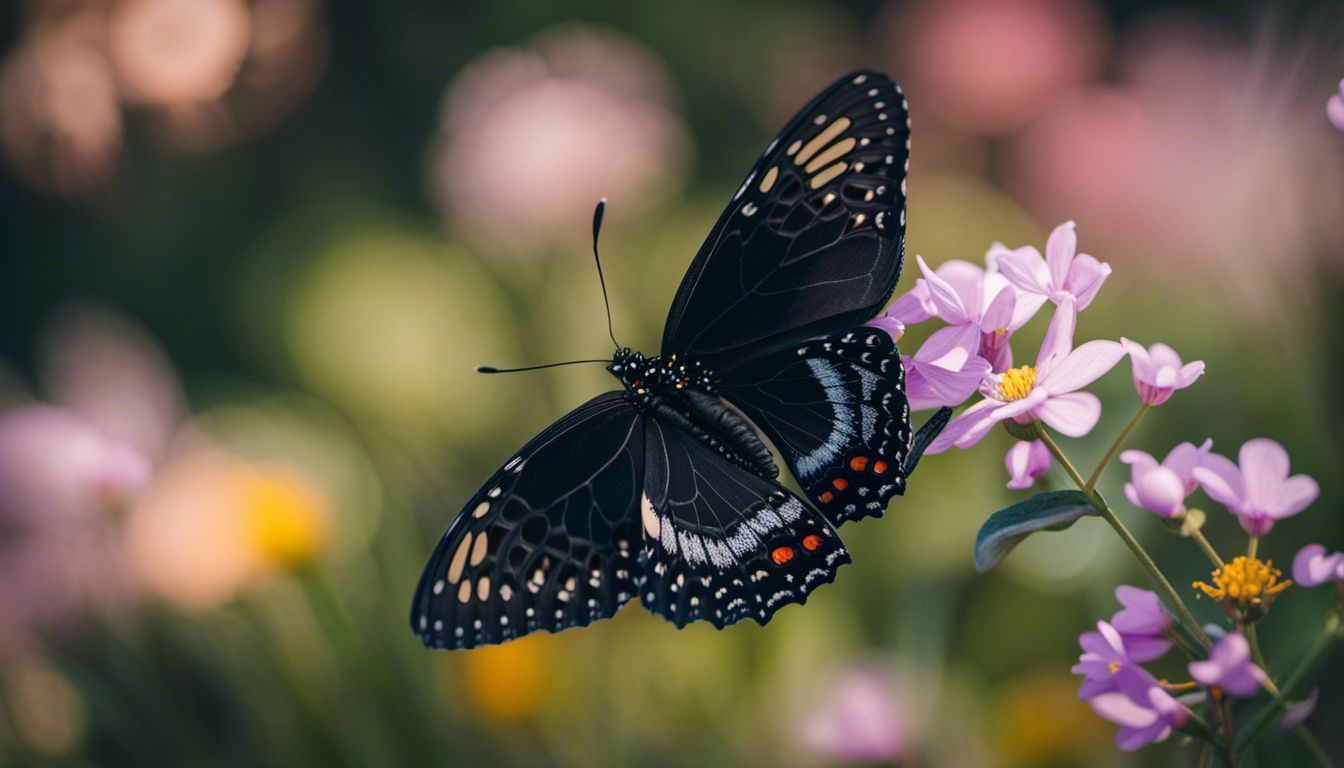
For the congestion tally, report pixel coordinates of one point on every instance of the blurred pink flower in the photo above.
(1201, 157)
(1026, 461)
(1163, 488)
(858, 718)
(108, 371)
(60, 478)
(1158, 371)
(1142, 623)
(1258, 490)
(945, 370)
(1297, 712)
(1062, 273)
(172, 52)
(60, 123)
(990, 66)
(1334, 107)
(530, 138)
(1230, 667)
(1046, 392)
(1312, 567)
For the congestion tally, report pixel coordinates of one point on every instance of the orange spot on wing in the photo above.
(782, 555)
(858, 463)
(840, 483)
(826, 497)
(810, 543)
(879, 467)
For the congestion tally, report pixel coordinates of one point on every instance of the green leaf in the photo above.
(1006, 528)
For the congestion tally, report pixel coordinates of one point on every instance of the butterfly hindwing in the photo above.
(722, 544)
(551, 541)
(835, 407)
(814, 238)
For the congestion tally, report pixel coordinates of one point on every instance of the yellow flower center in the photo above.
(1245, 580)
(1017, 383)
(288, 516)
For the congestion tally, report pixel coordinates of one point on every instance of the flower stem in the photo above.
(1204, 544)
(1115, 446)
(1259, 657)
(1144, 559)
(1293, 684)
(1225, 714)
(1252, 547)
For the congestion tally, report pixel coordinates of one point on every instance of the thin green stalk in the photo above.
(1259, 658)
(1313, 747)
(1204, 544)
(1252, 547)
(1292, 685)
(1225, 713)
(1144, 559)
(1115, 446)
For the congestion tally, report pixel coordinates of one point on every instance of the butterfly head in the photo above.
(628, 366)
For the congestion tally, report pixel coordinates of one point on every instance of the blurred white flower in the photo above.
(531, 137)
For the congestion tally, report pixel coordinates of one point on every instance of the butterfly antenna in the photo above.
(597, 227)
(493, 369)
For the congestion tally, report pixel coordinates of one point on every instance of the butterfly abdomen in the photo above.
(714, 416)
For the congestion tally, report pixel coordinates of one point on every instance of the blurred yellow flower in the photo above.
(212, 522)
(43, 708)
(287, 514)
(1037, 720)
(508, 683)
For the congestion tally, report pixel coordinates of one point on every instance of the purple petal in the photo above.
(1082, 366)
(960, 424)
(1298, 711)
(1026, 461)
(1059, 250)
(1058, 338)
(1073, 414)
(999, 314)
(1164, 356)
(1334, 109)
(946, 301)
(1183, 459)
(1142, 364)
(1220, 479)
(894, 328)
(1026, 269)
(1264, 468)
(1190, 372)
(1142, 648)
(1159, 491)
(915, 306)
(1086, 276)
(1136, 459)
(1313, 567)
(1295, 495)
(931, 386)
(950, 348)
(1122, 710)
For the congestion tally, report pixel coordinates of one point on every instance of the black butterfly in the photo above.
(663, 490)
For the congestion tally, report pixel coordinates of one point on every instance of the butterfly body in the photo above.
(665, 489)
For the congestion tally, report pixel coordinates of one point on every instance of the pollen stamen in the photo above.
(1017, 383)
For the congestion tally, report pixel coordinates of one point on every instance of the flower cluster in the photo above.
(981, 309)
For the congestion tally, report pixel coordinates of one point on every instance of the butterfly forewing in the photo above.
(551, 541)
(814, 238)
(722, 544)
(835, 407)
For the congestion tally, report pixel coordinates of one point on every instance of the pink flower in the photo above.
(980, 304)
(1297, 712)
(1163, 488)
(1313, 567)
(1046, 392)
(1334, 107)
(1062, 273)
(1158, 371)
(1026, 461)
(1229, 667)
(1124, 693)
(1142, 623)
(944, 371)
(1258, 491)
(859, 719)
(891, 325)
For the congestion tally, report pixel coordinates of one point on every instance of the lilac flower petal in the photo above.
(1294, 495)
(1060, 248)
(1086, 277)
(999, 314)
(894, 328)
(1145, 648)
(1026, 461)
(1073, 414)
(1313, 567)
(1229, 667)
(1058, 339)
(1298, 711)
(1144, 369)
(1136, 458)
(913, 307)
(1122, 710)
(946, 301)
(1189, 372)
(1220, 479)
(1082, 366)
(1264, 467)
(1026, 269)
(1334, 109)
(1025, 308)
(968, 280)
(960, 424)
(1157, 490)
(1130, 739)
(1183, 459)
